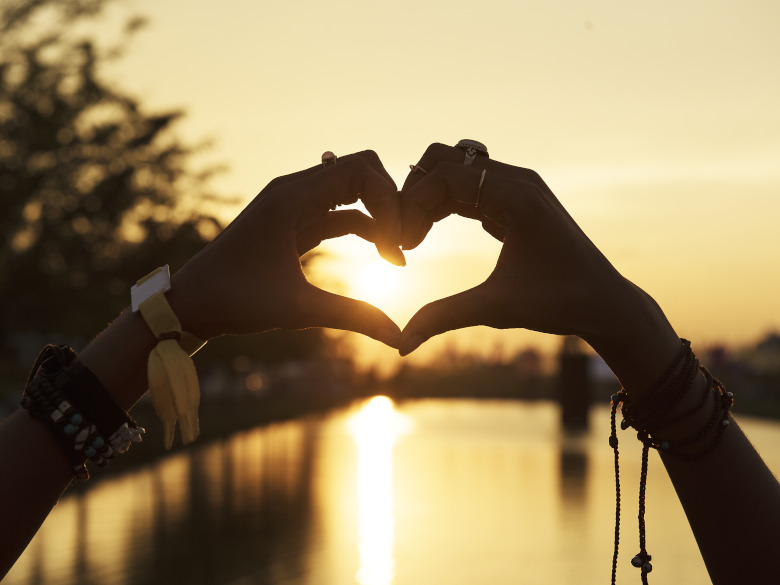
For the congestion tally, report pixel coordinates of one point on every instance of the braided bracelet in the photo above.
(651, 414)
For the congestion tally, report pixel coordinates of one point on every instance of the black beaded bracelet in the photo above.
(84, 420)
(81, 386)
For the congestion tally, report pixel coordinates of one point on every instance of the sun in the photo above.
(375, 282)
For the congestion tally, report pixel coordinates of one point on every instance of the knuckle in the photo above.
(436, 153)
(439, 149)
(273, 184)
(370, 156)
(534, 177)
(352, 163)
(530, 176)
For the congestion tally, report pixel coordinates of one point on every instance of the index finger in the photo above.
(432, 156)
(439, 193)
(421, 207)
(352, 177)
(290, 179)
(384, 205)
(368, 156)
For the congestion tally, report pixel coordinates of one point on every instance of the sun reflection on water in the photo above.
(375, 428)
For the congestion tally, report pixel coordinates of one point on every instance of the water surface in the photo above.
(425, 492)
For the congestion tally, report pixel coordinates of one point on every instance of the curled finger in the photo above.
(449, 188)
(335, 224)
(352, 177)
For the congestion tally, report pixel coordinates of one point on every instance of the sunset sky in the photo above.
(656, 124)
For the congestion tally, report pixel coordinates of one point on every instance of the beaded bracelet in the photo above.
(83, 388)
(84, 420)
(651, 414)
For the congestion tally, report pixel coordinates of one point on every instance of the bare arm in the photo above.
(551, 278)
(248, 279)
(35, 469)
(730, 497)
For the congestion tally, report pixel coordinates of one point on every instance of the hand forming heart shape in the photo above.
(549, 277)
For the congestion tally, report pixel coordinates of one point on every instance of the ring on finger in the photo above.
(416, 168)
(479, 189)
(472, 149)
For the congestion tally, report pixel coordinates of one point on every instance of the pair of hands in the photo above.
(549, 276)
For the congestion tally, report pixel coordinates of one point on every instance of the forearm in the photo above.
(730, 497)
(117, 357)
(36, 471)
(732, 502)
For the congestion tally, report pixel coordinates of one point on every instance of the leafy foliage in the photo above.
(90, 183)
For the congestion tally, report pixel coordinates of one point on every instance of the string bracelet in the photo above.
(84, 420)
(664, 395)
(651, 414)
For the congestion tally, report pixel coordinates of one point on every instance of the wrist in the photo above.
(172, 378)
(640, 344)
(192, 319)
(117, 357)
(195, 316)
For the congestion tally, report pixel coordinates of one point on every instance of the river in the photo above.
(450, 492)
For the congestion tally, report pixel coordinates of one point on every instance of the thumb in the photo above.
(326, 309)
(464, 309)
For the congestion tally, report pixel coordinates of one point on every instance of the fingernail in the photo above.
(409, 345)
(391, 337)
(392, 255)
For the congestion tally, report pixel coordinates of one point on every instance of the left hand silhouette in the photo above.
(249, 279)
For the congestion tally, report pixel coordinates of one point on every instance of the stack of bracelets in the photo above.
(651, 414)
(84, 419)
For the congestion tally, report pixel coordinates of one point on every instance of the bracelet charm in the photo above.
(173, 381)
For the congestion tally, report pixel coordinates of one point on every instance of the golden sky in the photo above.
(656, 124)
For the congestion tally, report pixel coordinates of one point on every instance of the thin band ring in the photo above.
(416, 168)
(479, 189)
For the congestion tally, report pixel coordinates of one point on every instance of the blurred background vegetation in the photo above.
(96, 190)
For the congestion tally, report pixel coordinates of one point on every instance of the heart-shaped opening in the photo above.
(457, 254)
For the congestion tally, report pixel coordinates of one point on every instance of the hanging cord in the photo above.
(642, 560)
(613, 442)
(653, 413)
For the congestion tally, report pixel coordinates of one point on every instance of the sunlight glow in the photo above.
(375, 428)
(375, 282)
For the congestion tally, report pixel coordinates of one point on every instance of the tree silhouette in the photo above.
(90, 182)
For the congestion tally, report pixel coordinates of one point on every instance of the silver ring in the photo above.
(479, 189)
(328, 158)
(472, 148)
(416, 168)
